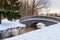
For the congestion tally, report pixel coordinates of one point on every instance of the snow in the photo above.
(47, 33)
(10, 24)
(40, 25)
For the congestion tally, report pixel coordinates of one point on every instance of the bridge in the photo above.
(47, 20)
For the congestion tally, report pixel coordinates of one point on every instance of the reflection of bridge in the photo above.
(48, 20)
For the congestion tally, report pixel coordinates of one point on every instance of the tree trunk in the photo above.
(33, 7)
(0, 18)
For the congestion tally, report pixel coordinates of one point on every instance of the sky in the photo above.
(54, 7)
(55, 3)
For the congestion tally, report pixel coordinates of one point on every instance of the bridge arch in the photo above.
(48, 20)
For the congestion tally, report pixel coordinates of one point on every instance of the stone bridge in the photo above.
(47, 20)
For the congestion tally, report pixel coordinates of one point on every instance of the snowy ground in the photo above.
(10, 24)
(47, 33)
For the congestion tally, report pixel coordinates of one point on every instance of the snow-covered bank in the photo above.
(10, 24)
(47, 33)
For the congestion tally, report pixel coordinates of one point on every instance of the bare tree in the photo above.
(24, 7)
(32, 8)
(38, 4)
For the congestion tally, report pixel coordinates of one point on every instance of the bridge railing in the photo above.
(45, 17)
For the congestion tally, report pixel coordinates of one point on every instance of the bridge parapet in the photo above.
(40, 17)
(47, 20)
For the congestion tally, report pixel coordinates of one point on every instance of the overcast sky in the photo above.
(55, 3)
(54, 6)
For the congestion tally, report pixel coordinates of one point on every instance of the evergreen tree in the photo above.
(9, 9)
